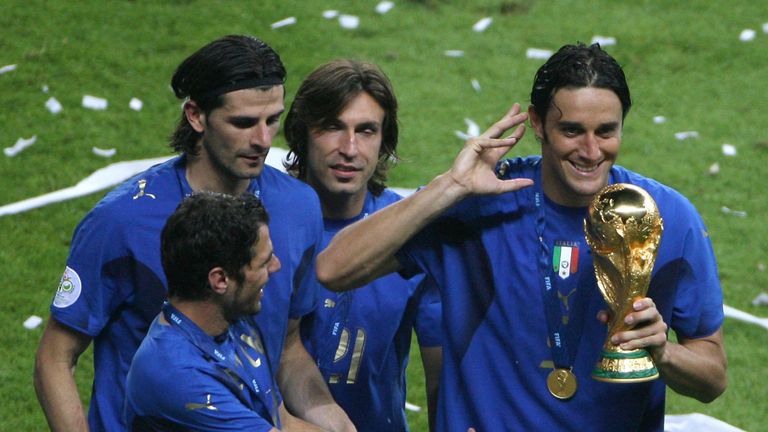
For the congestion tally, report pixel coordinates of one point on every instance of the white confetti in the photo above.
(330, 14)
(761, 300)
(33, 322)
(53, 105)
(714, 169)
(729, 150)
(476, 85)
(482, 25)
(135, 104)
(536, 53)
(686, 134)
(659, 119)
(283, 22)
(44, 88)
(765, 27)
(473, 130)
(747, 35)
(604, 41)
(103, 152)
(454, 53)
(736, 213)
(384, 7)
(7, 68)
(94, 103)
(349, 21)
(20, 145)
(411, 407)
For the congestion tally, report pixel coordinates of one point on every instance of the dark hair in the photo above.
(209, 230)
(321, 98)
(224, 65)
(578, 66)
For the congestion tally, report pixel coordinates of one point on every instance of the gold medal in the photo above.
(561, 383)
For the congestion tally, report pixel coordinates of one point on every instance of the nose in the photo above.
(274, 264)
(348, 146)
(262, 135)
(591, 147)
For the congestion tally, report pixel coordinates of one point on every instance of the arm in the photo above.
(348, 263)
(303, 388)
(55, 362)
(432, 359)
(691, 367)
(293, 424)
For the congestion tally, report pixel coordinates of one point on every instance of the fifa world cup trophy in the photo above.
(623, 229)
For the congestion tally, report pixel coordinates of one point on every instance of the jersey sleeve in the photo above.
(428, 323)
(698, 306)
(87, 295)
(304, 298)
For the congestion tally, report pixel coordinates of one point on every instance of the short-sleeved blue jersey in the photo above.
(483, 253)
(175, 385)
(113, 284)
(361, 338)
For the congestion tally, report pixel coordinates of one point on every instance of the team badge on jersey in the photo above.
(565, 259)
(69, 289)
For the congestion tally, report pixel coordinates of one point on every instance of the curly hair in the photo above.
(578, 66)
(323, 96)
(209, 230)
(224, 65)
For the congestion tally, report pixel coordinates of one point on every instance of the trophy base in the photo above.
(625, 367)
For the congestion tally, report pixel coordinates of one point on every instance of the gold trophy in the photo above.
(623, 229)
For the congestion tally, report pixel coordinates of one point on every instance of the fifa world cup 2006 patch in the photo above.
(69, 289)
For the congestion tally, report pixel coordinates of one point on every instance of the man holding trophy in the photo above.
(529, 279)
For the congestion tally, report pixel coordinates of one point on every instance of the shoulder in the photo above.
(665, 196)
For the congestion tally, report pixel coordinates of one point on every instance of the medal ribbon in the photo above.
(227, 361)
(561, 357)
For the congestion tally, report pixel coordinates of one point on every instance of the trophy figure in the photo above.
(623, 229)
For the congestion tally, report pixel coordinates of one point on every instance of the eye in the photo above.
(273, 120)
(243, 123)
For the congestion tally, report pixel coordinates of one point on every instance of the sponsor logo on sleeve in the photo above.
(69, 289)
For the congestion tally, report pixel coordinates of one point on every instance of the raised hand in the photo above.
(473, 168)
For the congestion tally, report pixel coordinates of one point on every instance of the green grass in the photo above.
(683, 59)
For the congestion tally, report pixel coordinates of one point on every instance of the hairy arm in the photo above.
(57, 355)
(432, 360)
(305, 393)
(691, 367)
(349, 263)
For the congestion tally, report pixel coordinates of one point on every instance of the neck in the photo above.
(341, 206)
(205, 314)
(202, 175)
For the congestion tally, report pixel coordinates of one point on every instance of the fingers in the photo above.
(513, 117)
(649, 330)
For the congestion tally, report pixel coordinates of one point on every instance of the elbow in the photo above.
(716, 390)
(328, 274)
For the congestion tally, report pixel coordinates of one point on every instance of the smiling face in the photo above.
(236, 138)
(342, 156)
(245, 296)
(580, 140)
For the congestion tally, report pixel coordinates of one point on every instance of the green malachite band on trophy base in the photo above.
(625, 367)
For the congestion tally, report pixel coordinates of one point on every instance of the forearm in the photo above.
(348, 263)
(304, 391)
(694, 367)
(57, 393)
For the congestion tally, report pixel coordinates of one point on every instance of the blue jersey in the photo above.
(114, 285)
(484, 254)
(183, 379)
(361, 338)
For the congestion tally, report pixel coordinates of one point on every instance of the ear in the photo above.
(536, 123)
(218, 280)
(195, 116)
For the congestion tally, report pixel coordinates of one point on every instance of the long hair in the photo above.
(224, 65)
(323, 96)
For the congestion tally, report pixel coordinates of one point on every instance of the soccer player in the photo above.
(113, 284)
(202, 365)
(491, 253)
(342, 131)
